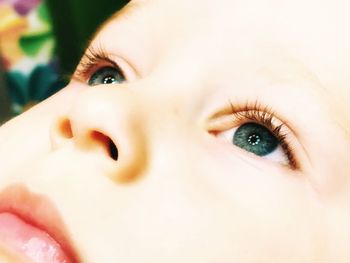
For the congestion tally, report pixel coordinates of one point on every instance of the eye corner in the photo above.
(293, 162)
(80, 74)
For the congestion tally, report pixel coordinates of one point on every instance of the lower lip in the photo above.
(28, 242)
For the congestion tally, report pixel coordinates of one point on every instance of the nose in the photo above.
(105, 121)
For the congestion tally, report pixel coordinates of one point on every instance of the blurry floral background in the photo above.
(27, 46)
(41, 41)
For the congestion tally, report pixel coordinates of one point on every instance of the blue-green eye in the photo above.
(256, 130)
(106, 75)
(255, 138)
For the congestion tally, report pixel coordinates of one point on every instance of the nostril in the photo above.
(113, 151)
(107, 143)
(65, 129)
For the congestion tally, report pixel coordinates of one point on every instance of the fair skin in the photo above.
(180, 190)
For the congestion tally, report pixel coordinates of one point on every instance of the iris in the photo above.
(106, 75)
(255, 138)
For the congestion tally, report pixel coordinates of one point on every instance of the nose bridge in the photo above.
(103, 108)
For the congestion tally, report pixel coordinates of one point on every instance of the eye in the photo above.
(100, 67)
(106, 75)
(261, 141)
(257, 130)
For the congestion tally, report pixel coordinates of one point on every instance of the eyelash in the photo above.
(264, 115)
(93, 60)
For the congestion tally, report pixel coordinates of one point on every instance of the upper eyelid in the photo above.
(248, 111)
(250, 106)
(91, 61)
(261, 114)
(267, 119)
(96, 57)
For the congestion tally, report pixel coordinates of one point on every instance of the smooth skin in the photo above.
(180, 192)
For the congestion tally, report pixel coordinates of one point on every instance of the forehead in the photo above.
(311, 33)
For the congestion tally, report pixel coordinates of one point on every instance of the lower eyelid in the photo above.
(278, 156)
(254, 160)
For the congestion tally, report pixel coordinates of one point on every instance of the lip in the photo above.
(38, 211)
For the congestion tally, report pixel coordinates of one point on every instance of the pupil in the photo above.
(109, 80)
(254, 139)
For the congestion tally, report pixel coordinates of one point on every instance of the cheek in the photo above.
(204, 204)
(266, 210)
(26, 138)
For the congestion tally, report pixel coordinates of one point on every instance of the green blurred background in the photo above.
(74, 21)
(41, 42)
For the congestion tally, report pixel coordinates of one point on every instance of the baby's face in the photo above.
(192, 131)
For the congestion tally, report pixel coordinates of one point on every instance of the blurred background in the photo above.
(41, 41)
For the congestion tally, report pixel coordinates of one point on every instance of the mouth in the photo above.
(31, 229)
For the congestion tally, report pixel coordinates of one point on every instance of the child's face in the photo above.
(230, 139)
